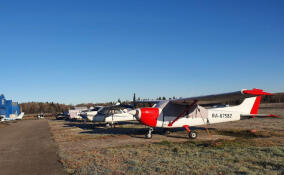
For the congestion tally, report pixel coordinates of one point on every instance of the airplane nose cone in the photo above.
(137, 114)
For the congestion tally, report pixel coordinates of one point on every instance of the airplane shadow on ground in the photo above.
(130, 131)
(102, 129)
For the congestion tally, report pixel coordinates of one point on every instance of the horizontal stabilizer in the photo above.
(260, 115)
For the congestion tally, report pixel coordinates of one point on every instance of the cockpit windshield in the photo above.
(107, 111)
(103, 111)
(96, 108)
(161, 104)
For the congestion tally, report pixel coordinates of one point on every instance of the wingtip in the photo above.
(255, 92)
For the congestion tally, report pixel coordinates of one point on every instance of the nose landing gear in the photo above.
(148, 135)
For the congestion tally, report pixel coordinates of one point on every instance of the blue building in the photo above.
(7, 108)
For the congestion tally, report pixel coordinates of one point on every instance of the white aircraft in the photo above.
(111, 115)
(89, 114)
(187, 112)
(74, 114)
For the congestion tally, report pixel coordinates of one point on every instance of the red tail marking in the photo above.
(256, 104)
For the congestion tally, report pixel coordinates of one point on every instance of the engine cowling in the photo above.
(148, 116)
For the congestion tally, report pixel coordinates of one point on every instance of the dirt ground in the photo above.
(85, 148)
(4, 124)
(26, 147)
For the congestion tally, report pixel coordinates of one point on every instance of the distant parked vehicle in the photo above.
(40, 116)
(61, 116)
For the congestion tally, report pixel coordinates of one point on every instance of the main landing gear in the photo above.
(166, 132)
(191, 134)
(148, 135)
(110, 125)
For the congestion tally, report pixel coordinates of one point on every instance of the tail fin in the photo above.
(250, 105)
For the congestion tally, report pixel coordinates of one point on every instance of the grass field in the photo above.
(230, 148)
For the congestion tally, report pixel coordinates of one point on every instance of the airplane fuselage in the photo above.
(113, 118)
(218, 115)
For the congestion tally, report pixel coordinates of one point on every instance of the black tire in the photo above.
(166, 132)
(148, 135)
(193, 135)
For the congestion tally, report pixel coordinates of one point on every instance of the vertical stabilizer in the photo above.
(250, 105)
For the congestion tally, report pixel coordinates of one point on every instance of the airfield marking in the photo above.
(26, 147)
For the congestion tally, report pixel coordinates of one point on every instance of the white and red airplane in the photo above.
(187, 112)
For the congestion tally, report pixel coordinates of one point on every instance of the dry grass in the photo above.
(85, 149)
(235, 157)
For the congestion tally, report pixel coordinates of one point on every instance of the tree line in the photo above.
(40, 107)
(276, 98)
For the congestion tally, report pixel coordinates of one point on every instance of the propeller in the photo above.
(133, 106)
(134, 101)
(133, 112)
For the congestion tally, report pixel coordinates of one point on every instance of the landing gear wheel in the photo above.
(113, 125)
(148, 135)
(108, 125)
(192, 135)
(166, 132)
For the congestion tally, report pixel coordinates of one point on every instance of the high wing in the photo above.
(259, 115)
(217, 98)
(117, 105)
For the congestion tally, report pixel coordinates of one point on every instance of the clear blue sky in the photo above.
(96, 51)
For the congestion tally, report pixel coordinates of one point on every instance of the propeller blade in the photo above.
(134, 100)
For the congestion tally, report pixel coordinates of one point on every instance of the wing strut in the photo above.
(183, 113)
(205, 124)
